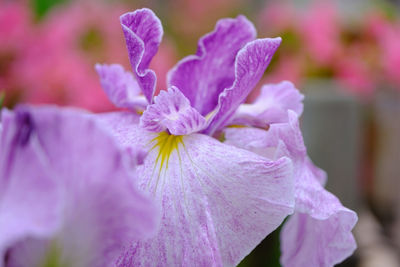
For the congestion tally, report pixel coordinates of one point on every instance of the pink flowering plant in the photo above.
(189, 177)
(51, 60)
(357, 53)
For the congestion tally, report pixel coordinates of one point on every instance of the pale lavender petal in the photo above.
(96, 209)
(171, 110)
(319, 234)
(203, 76)
(124, 126)
(253, 139)
(271, 106)
(321, 243)
(121, 87)
(29, 200)
(218, 201)
(143, 33)
(250, 64)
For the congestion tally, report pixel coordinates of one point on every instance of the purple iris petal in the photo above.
(250, 64)
(271, 105)
(218, 202)
(29, 201)
(66, 194)
(203, 76)
(171, 110)
(319, 234)
(143, 33)
(121, 87)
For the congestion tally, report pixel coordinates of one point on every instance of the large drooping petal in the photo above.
(250, 64)
(121, 87)
(203, 76)
(143, 33)
(271, 106)
(319, 234)
(69, 198)
(218, 202)
(171, 110)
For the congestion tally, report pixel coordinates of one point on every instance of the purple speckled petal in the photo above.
(250, 64)
(218, 202)
(171, 110)
(143, 33)
(319, 234)
(271, 106)
(202, 77)
(121, 87)
(66, 182)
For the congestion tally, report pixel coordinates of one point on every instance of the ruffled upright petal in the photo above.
(203, 76)
(250, 64)
(218, 201)
(171, 110)
(68, 195)
(121, 87)
(319, 233)
(143, 33)
(271, 106)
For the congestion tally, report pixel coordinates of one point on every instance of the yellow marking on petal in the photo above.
(266, 127)
(166, 144)
(237, 126)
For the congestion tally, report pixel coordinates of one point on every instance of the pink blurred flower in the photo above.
(390, 46)
(277, 16)
(354, 75)
(58, 66)
(387, 38)
(15, 21)
(15, 33)
(320, 28)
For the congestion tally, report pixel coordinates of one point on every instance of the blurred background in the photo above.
(343, 55)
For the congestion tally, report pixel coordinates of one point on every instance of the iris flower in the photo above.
(218, 198)
(67, 197)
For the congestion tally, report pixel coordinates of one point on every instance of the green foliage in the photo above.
(41, 7)
(267, 253)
